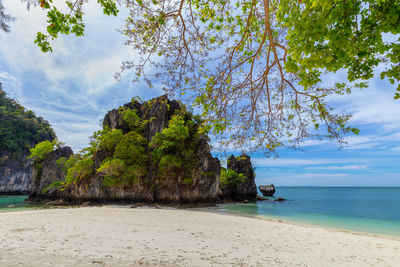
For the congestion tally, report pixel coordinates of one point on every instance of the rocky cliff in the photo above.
(151, 152)
(47, 172)
(15, 174)
(239, 189)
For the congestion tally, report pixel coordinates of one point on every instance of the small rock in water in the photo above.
(11, 206)
(259, 197)
(280, 199)
(245, 201)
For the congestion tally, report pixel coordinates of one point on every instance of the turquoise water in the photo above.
(363, 209)
(10, 203)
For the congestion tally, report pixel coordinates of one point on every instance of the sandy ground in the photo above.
(121, 236)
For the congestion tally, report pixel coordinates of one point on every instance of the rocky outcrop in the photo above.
(20, 129)
(246, 190)
(173, 188)
(203, 185)
(15, 174)
(157, 112)
(279, 199)
(267, 190)
(47, 172)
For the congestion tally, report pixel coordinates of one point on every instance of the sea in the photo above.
(15, 203)
(373, 210)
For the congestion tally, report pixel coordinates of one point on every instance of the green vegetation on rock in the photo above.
(40, 151)
(20, 129)
(173, 148)
(109, 139)
(52, 185)
(132, 120)
(78, 167)
(231, 178)
(129, 161)
(126, 155)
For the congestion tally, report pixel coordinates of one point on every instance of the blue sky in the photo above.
(73, 88)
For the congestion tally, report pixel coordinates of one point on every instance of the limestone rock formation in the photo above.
(48, 172)
(15, 174)
(267, 190)
(246, 190)
(191, 181)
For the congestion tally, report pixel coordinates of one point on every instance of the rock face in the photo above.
(241, 191)
(15, 174)
(48, 173)
(267, 190)
(152, 188)
(158, 114)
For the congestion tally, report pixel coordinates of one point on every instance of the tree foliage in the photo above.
(255, 67)
(67, 23)
(4, 19)
(128, 163)
(231, 178)
(20, 129)
(173, 148)
(78, 167)
(42, 149)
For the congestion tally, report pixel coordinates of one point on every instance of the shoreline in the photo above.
(206, 209)
(119, 235)
(330, 226)
(294, 222)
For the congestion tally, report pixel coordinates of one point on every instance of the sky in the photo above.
(73, 88)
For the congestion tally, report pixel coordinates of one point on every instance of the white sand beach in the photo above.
(121, 236)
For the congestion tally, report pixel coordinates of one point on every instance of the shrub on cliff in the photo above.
(173, 147)
(41, 149)
(128, 164)
(231, 178)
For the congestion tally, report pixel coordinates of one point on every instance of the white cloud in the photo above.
(293, 162)
(346, 167)
(12, 84)
(395, 149)
(318, 175)
(8, 76)
(315, 142)
(371, 106)
(377, 141)
(92, 59)
(373, 110)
